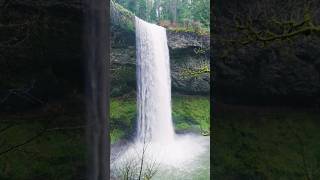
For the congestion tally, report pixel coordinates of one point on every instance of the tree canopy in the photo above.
(174, 13)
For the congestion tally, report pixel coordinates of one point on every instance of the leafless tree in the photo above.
(141, 166)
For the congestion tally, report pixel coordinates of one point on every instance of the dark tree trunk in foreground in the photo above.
(97, 44)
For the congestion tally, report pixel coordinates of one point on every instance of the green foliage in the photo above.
(116, 134)
(123, 16)
(124, 109)
(184, 12)
(60, 154)
(201, 11)
(266, 145)
(189, 113)
(191, 29)
(122, 115)
(195, 73)
(54, 155)
(123, 80)
(142, 9)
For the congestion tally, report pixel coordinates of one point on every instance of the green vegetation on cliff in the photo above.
(171, 12)
(121, 16)
(190, 17)
(189, 113)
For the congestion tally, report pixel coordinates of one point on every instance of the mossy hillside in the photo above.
(282, 144)
(189, 113)
(53, 155)
(122, 113)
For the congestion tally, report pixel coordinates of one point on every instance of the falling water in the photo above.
(153, 84)
(180, 156)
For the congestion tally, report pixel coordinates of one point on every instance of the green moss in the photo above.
(123, 80)
(122, 110)
(266, 145)
(198, 31)
(123, 17)
(188, 113)
(122, 114)
(116, 134)
(54, 155)
(183, 126)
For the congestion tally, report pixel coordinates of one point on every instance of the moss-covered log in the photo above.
(122, 17)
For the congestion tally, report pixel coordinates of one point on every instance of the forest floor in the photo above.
(266, 143)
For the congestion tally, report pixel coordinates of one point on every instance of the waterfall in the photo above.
(156, 140)
(153, 84)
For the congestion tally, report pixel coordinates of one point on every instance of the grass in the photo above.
(189, 113)
(267, 144)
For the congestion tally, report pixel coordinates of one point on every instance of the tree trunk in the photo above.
(174, 12)
(132, 5)
(97, 36)
(157, 7)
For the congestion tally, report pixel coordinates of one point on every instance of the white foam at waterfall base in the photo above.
(155, 130)
(183, 151)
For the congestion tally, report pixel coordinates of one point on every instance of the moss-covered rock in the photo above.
(122, 17)
(181, 39)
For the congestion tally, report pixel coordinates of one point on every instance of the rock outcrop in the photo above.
(185, 55)
(181, 60)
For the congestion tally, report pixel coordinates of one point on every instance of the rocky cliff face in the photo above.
(183, 47)
(183, 40)
(189, 52)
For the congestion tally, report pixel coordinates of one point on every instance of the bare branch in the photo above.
(23, 143)
(39, 134)
(6, 128)
(263, 22)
